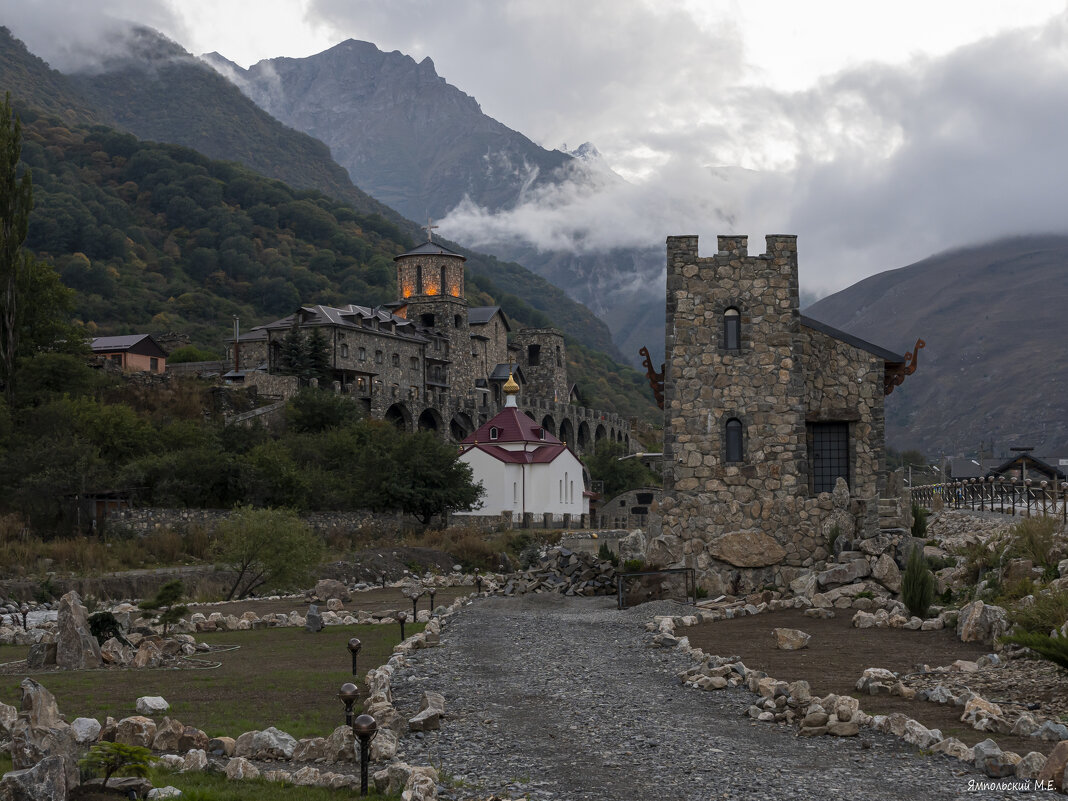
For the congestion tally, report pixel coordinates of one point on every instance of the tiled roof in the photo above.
(351, 316)
(480, 315)
(117, 343)
(512, 426)
(429, 249)
(540, 455)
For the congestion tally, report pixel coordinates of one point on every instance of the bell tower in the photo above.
(430, 280)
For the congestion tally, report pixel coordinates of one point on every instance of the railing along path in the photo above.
(994, 494)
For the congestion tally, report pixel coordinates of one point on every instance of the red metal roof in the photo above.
(540, 455)
(512, 426)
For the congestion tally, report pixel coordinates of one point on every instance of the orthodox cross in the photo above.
(429, 228)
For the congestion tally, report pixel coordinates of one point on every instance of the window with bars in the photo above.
(828, 454)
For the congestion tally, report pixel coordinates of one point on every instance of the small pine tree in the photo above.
(165, 609)
(119, 759)
(917, 584)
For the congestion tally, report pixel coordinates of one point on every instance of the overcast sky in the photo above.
(880, 133)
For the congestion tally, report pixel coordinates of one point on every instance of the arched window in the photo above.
(419, 279)
(494, 432)
(732, 329)
(442, 279)
(734, 440)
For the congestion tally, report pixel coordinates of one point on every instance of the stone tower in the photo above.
(543, 357)
(430, 280)
(734, 400)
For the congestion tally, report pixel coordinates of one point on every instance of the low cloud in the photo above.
(874, 168)
(76, 36)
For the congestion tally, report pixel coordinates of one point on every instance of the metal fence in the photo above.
(994, 494)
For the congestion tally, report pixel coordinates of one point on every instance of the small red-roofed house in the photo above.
(523, 467)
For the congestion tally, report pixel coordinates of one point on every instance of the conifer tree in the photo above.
(293, 350)
(317, 357)
(16, 201)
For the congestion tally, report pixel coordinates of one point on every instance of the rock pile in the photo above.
(566, 572)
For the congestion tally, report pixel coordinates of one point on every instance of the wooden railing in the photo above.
(992, 494)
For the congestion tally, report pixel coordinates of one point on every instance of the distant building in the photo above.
(134, 352)
(523, 468)
(430, 362)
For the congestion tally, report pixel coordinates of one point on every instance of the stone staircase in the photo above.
(890, 513)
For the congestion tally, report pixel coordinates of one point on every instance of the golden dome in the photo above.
(510, 386)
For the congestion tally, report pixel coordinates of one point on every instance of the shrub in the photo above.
(919, 521)
(191, 353)
(103, 626)
(1032, 538)
(633, 565)
(605, 554)
(1055, 649)
(1048, 612)
(917, 584)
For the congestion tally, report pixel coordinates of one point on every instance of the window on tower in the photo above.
(533, 355)
(732, 329)
(734, 440)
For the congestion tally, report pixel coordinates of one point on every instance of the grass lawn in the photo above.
(209, 787)
(283, 677)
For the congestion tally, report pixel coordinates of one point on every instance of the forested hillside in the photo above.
(159, 237)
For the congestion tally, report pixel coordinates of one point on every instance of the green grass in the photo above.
(209, 787)
(283, 677)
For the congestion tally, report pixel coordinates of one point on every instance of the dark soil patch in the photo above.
(838, 654)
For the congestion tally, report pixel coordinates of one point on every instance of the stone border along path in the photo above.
(550, 697)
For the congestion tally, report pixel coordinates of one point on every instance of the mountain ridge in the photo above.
(992, 367)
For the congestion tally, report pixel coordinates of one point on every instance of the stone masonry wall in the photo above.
(845, 384)
(746, 524)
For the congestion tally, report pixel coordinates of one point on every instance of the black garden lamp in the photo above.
(348, 695)
(401, 617)
(382, 579)
(25, 609)
(432, 591)
(415, 604)
(478, 581)
(354, 648)
(364, 728)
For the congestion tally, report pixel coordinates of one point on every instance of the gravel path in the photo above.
(562, 698)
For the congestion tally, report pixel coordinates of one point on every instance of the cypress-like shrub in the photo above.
(917, 584)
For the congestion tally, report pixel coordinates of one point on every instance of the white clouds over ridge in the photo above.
(948, 139)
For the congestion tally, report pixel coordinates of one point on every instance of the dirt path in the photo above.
(564, 699)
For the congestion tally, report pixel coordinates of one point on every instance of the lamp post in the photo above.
(348, 695)
(364, 728)
(415, 605)
(25, 609)
(354, 648)
(382, 579)
(478, 581)
(401, 617)
(432, 600)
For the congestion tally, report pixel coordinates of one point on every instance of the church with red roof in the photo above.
(523, 467)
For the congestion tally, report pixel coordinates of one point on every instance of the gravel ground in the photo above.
(562, 698)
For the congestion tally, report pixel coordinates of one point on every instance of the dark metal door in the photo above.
(830, 455)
